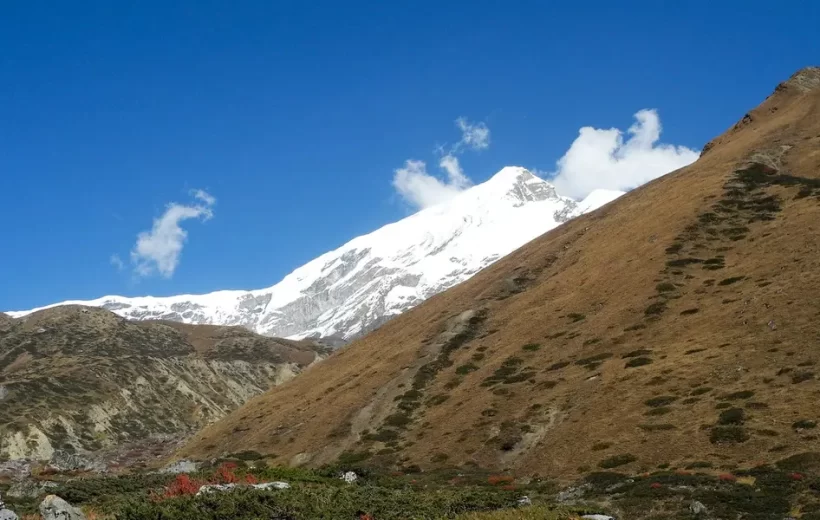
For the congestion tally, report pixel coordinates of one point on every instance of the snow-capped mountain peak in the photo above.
(355, 288)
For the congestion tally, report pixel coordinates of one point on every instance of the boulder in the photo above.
(55, 508)
(266, 486)
(210, 488)
(181, 466)
(349, 477)
(6, 514)
(15, 469)
(62, 461)
(697, 508)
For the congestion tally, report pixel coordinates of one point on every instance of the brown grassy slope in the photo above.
(707, 276)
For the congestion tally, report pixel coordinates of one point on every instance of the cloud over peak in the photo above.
(475, 136)
(603, 159)
(158, 250)
(607, 159)
(421, 189)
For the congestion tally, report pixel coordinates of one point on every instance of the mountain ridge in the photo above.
(356, 287)
(674, 327)
(85, 382)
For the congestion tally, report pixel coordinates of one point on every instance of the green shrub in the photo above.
(807, 462)
(665, 287)
(353, 457)
(383, 435)
(655, 309)
(466, 369)
(246, 455)
(531, 347)
(637, 353)
(801, 377)
(638, 362)
(743, 394)
(575, 316)
(698, 464)
(398, 420)
(804, 424)
(661, 400)
(594, 360)
(437, 399)
(730, 281)
(732, 416)
(617, 460)
(728, 435)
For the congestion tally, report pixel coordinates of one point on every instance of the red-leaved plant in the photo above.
(499, 479)
(183, 484)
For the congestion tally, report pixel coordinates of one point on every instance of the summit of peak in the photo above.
(512, 175)
(520, 184)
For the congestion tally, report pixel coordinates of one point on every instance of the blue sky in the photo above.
(295, 117)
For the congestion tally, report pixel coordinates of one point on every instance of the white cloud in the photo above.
(475, 136)
(158, 250)
(117, 262)
(422, 189)
(603, 159)
(449, 163)
(204, 196)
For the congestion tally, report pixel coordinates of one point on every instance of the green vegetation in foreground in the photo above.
(522, 513)
(789, 488)
(314, 494)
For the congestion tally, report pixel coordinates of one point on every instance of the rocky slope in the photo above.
(677, 326)
(359, 286)
(81, 380)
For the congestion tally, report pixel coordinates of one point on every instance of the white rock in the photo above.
(263, 486)
(181, 466)
(210, 488)
(6, 514)
(350, 477)
(696, 508)
(271, 485)
(55, 508)
(598, 517)
(524, 501)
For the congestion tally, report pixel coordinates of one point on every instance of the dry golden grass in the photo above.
(617, 325)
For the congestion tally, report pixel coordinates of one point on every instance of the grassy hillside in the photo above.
(675, 326)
